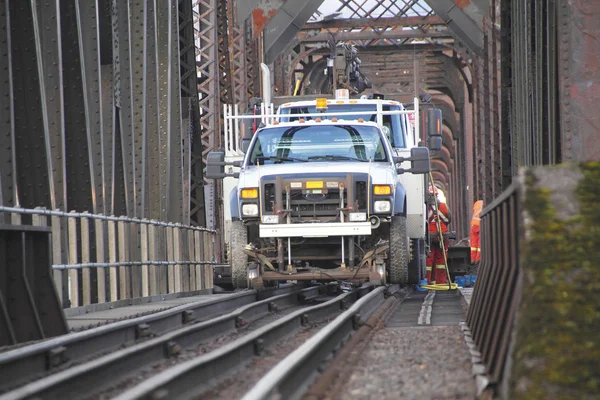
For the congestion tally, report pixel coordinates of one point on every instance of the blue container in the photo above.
(460, 281)
(420, 288)
(472, 279)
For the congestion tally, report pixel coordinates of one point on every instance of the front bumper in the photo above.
(315, 230)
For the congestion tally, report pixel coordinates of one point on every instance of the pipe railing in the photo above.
(99, 258)
(495, 298)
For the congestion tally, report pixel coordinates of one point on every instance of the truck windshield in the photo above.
(393, 123)
(314, 143)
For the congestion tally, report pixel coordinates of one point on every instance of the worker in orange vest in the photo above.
(474, 236)
(435, 259)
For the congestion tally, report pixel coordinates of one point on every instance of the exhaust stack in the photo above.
(266, 84)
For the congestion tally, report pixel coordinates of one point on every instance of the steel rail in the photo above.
(92, 377)
(290, 378)
(21, 365)
(182, 381)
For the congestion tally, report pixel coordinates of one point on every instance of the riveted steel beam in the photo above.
(464, 20)
(7, 165)
(30, 165)
(208, 88)
(372, 35)
(401, 21)
(281, 30)
(123, 91)
(192, 149)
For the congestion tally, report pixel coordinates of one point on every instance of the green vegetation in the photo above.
(557, 352)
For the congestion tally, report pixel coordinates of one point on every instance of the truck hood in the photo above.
(381, 173)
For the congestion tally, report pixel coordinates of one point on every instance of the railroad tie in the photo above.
(425, 314)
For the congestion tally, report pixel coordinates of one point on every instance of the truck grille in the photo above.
(314, 205)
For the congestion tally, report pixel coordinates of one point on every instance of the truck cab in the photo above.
(393, 119)
(319, 199)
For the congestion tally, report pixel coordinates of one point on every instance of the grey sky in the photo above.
(395, 7)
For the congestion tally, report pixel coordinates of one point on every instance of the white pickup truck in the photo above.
(393, 118)
(318, 199)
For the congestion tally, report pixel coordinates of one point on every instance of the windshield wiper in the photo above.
(280, 159)
(335, 157)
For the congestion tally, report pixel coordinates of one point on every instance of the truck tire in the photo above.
(398, 251)
(416, 265)
(237, 257)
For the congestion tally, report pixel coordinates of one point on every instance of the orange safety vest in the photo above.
(442, 214)
(475, 234)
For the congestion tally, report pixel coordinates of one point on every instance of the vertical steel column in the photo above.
(252, 60)
(88, 39)
(189, 91)
(30, 164)
(123, 103)
(237, 63)
(506, 76)
(107, 104)
(170, 110)
(175, 188)
(137, 50)
(208, 88)
(496, 96)
(150, 118)
(7, 184)
(46, 28)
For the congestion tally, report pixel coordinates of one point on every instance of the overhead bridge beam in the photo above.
(371, 35)
(374, 22)
(465, 20)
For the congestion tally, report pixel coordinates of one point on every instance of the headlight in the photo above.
(358, 216)
(382, 206)
(382, 190)
(249, 193)
(270, 219)
(253, 273)
(250, 210)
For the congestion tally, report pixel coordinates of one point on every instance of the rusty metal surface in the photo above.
(578, 25)
(361, 274)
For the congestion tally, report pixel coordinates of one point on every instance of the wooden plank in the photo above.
(144, 257)
(73, 273)
(206, 253)
(134, 272)
(153, 256)
(177, 257)
(162, 256)
(191, 256)
(15, 218)
(85, 258)
(170, 257)
(58, 275)
(124, 279)
(198, 257)
(112, 258)
(100, 258)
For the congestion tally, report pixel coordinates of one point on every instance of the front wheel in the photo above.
(237, 257)
(398, 250)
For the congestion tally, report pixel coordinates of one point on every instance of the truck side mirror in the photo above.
(434, 129)
(419, 161)
(434, 143)
(215, 165)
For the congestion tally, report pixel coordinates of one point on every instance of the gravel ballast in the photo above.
(431, 362)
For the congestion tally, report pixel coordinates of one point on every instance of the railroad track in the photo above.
(26, 364)
(197, 359)
(196, 376)
(111, 373)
